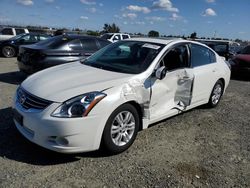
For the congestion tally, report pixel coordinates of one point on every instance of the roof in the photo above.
(75, 36)
(155, 40)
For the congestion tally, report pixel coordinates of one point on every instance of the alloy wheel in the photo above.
(122, 128)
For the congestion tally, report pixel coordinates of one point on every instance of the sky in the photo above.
(208, 18)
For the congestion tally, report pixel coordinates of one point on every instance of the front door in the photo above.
(173, 93)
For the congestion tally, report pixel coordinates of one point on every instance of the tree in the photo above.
(107, 28)
(93, 33)
(193, 35)
(153, 33)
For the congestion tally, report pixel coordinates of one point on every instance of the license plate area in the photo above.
(18, 117)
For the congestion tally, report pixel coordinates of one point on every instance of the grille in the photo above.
(29, 101)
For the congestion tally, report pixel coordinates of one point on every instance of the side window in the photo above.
(117, 37)
(212, 57)
(89, 45)
(199, 55)
(30, 38)
(75, 45)
(103, 43)
(7, 31)
(19, 31)
(41, 37)
(125, 36)
(176, 58)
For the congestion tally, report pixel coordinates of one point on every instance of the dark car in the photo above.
(10, 47)
(241, 61)
(57, 50)
(222, 47)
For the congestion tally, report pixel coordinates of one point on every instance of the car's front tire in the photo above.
(216, 94)
(121, 129)
(8, 51)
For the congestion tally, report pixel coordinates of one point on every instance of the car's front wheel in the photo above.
(8, 51)
(121, 129)
(216, 94)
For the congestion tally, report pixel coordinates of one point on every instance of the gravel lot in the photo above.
(200, 148)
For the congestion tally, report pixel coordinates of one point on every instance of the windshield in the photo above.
(132, 57)
(17, 36)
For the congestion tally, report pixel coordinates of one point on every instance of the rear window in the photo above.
(55, 42)
(103, 43)
(89, 45)
(19, 31)
(125, 36)
(75, 45)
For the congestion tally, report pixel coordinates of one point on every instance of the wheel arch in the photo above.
(223, 82)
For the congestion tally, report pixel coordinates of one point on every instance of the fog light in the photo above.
(62, 141)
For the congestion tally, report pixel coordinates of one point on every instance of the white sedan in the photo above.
(121, 89)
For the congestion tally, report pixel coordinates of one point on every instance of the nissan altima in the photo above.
(104, 100)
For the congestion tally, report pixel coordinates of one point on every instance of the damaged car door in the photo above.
(172, 93)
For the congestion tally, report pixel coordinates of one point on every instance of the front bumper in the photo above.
(64, 135)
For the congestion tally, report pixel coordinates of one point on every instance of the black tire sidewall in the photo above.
(107, 142)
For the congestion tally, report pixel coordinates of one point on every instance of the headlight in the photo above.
(78, 106)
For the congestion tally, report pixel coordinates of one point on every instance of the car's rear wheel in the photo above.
(8, 51)
(121, 129)
(216, 94)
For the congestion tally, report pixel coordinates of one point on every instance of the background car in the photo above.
(241, 61)
(222, 47)
(114, 37)
(57, 50)
(10, 47)
(9, 32)
(107, 98)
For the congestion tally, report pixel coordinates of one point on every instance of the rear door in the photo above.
(173, 93)
(203, 62)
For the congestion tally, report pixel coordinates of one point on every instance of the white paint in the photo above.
(158, 99)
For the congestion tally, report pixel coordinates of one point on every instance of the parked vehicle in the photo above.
(121, 89)
(57, 50)
(114, 37)
(10, 47)
(222, 47)
(9, 32)
(241, 61)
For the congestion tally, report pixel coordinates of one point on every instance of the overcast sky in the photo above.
(208, 18)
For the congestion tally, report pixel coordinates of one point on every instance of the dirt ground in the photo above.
(200, 148)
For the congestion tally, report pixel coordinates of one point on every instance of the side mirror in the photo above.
(161, 72)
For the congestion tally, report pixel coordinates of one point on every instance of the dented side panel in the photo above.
(158, 98)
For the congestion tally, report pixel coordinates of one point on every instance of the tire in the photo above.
(121, 129)
(8, 51)
(216, 94)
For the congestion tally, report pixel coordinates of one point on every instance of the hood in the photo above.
(63, 82)
(243, 57)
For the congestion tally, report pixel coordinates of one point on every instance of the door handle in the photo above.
(185, 77)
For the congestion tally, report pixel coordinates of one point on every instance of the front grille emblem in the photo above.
(22, 98)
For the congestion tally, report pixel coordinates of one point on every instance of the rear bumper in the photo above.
(28, 69)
